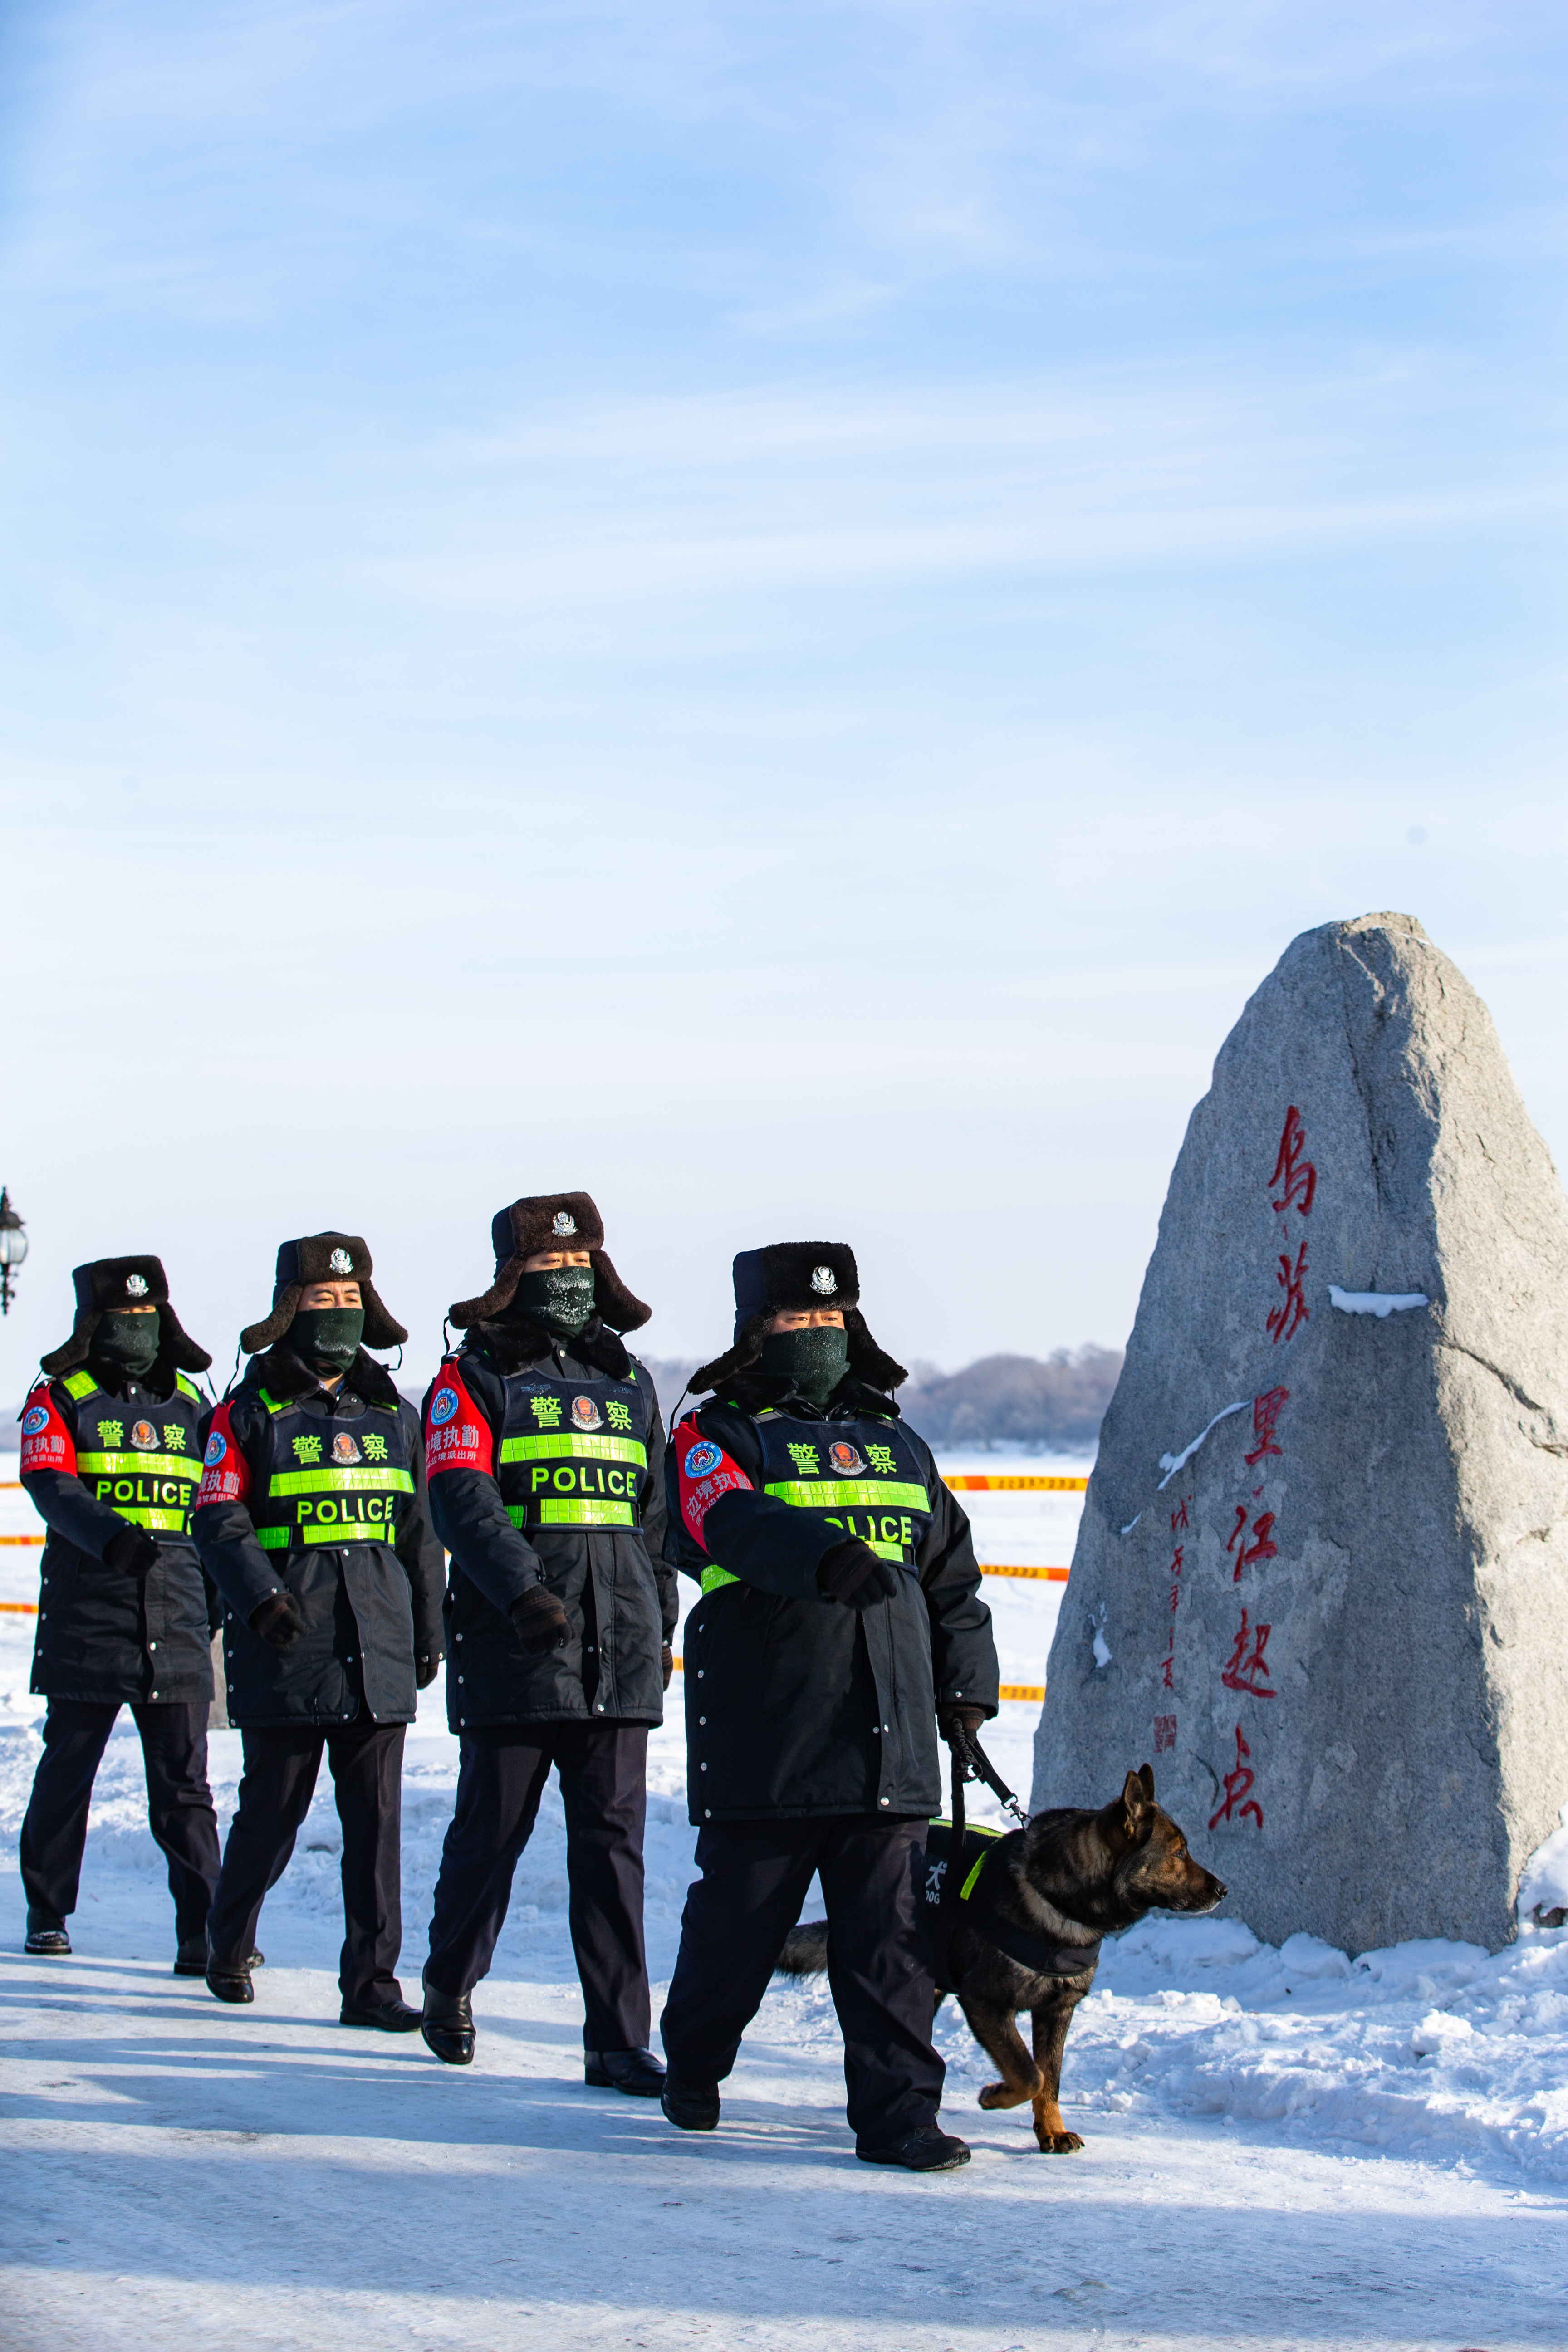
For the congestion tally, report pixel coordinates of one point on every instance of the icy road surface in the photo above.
(1285, 2150)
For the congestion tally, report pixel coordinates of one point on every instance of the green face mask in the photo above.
(558, 1296)
(813, 1360)
(128, 1342)
(327, 1337)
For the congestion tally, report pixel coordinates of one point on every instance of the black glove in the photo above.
(540, 1621)
(852, 1573)
(957, 1723)
(278, 1620)
(667, 1663)
(425, 1670)
(131, 1550)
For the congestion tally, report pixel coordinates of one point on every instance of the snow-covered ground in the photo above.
(1285, 2148)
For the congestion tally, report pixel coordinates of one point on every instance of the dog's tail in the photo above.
(804, 1952)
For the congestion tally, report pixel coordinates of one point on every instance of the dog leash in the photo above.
(973, 1764)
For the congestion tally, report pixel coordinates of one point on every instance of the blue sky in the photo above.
(776, 611)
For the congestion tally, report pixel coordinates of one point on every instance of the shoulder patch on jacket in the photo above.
(225, 1473)
(48, 1443)
(456, 1434)
(705, 1472)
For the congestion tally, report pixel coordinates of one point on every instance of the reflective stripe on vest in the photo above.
(339, 1532)
(561, 1445)
(127, 1465)
(374, 1479)
(549, 1513)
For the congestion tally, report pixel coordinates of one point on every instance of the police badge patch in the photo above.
(586, 1414)
(845, 1460)
(563, 1223)
(144, 1437)
(343, 1447)
(702, 1458)
(824, 1281)
(443, 1406)
(341, 1263)
(135, 1286)
(217, 1446)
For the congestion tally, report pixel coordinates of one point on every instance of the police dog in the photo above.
(1049, 1893)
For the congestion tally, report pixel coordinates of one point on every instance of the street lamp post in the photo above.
(12, 1247)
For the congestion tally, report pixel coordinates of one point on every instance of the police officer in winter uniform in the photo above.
(840, 1626)
(312, 1521)
(110, 1458)
(545, 1451)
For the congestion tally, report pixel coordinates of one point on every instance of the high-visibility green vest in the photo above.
(143, 1461)
(572, 1454)
(863, 1476)
(343, 1478)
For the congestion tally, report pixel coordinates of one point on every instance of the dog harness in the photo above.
(1043, 1956)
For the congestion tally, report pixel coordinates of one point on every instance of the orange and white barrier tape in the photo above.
(31, 1541)
(967, 1485)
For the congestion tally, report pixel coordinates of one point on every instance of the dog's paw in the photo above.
(1001, 2094)
(1062, 2143)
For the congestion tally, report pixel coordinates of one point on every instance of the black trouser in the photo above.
(179, 1803)
(603, 1788)
(755, 1876)
(280, 1767)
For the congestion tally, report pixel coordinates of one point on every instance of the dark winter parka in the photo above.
(546, 1466)
(794, 1704)
(97, 1463)
(320, 1492)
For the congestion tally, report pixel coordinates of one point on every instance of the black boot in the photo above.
(924, 2150)
(636, 2071)
(447, 2026)
(384, 2016)
(191, 1959)
(47, 1938)
(227, 1982)
(690, 2106)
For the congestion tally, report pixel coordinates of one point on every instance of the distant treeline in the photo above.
(1054, 1407)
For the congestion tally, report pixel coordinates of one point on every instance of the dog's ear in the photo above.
(1146, 1774)
(1129, 1818)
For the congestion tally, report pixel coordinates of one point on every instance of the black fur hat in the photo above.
(795, 1277)
(111, 1282)
(550, 1220)
(321, 1257)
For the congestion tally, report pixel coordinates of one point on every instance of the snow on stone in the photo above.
(1381, 1303)
(1171, 1462)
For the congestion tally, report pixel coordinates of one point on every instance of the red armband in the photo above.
(705, 1472)
(47, 1441)
(456, 1434)
(225, 1473)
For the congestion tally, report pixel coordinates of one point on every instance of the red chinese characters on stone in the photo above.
(1248, 1669)
(1266, 1412)
(1285, 1319)
(1239, 1801)
(1262, 1547)
(1292, 1169)
(1165, 1733)
(1168, 1663)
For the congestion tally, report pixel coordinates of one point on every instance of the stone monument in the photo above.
(1322, 1581)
